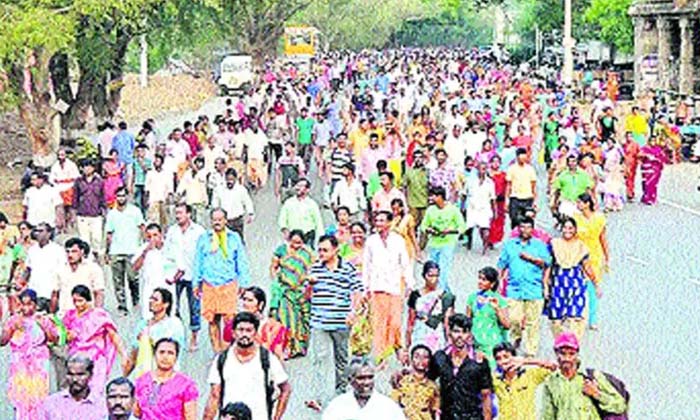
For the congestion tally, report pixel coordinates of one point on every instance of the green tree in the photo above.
(613, 24)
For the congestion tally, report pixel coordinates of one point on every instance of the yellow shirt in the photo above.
(419, 398)
(516, 398)
(359, 141)
(521, 179)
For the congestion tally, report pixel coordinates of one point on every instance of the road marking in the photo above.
(680, 207)
(637, 260)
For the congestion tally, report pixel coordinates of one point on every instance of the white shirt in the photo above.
(383, 265)
(154, 272)
(378, 407)
(178, 150)
(193, 187)
(351, 196)
(473, 143)
(256, 143)
(235, 201)
(245, 381)
(456, 148)
(44, 263)
(180, 247)
(41, 204)
(158, 185)
(63, 177)
(210, 154)
(87, 273)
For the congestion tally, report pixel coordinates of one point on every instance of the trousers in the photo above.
(90, 230)
(193, 304)
(525, 323)
(123, 272)
(443, 256)
(320, 344)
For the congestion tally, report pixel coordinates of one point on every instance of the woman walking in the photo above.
(489, 313)
(288, 302)
(404, 224)
(653, 158)
(91, 332)
(428, 311)
(113, 172)
(498, 222)
(567, 289)
(28, 335)
(164, 393)
(592, 231)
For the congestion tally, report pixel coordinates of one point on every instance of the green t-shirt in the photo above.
(488, 332)
(446, 218)
(571, 186)
(305, 127)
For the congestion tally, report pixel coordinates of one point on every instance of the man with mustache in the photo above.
(120, 399)
(240, 372)
(78, 401)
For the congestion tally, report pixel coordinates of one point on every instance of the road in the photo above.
(647, 312)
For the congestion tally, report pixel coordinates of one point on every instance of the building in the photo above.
(666, 47)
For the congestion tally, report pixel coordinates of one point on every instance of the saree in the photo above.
(28, 377)
(498, 222)
(653, 159)
(113, 180)
(289, 297)
(406, 227)
(92, 339)
(614, 175)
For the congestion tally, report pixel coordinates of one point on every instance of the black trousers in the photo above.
(516, 208)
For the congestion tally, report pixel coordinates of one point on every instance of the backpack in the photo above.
(269, 386)
(620, 388)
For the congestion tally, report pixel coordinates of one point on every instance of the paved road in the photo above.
(647, 312)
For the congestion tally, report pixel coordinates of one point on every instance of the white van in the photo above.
(235, 73)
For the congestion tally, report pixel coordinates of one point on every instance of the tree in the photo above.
(612, 22)
(30, 34)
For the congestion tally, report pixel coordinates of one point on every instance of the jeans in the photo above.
(319, 347)
(193, 304)
(140, 198)
(443, 256)
(122, 271)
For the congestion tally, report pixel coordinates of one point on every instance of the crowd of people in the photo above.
(413, 152)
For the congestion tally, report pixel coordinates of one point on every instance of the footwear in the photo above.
(314, 405)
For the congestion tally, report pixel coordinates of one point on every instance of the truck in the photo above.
(235, 73)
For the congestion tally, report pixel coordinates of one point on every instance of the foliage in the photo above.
(612, 22)
(357, 24)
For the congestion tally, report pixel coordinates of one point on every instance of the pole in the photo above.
(568, 67)
(143, 76)
(538, 43)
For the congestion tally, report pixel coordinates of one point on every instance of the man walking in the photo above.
(124, 227)
(415, 184)
(89, 205)
(64, 173)
(301, 212)
(220, 268)
(78, 401)
(248, 373)
(363, 402)
(387, 276)
(336, 292)
(574, 393)
(120, 399)
(525, 262)
(521, 188)
(443, 223)
(180, 249)
(464, 375)
(233, 197)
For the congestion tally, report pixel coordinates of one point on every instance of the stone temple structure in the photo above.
(666, 45)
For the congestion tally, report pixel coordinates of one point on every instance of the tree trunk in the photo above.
(35, 108)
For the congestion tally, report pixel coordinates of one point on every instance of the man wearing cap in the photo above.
(571, 393)
(89, 205)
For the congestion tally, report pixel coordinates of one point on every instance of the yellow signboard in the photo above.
(300, 40)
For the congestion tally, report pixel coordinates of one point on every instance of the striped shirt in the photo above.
(338, 159)
(330, 301)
